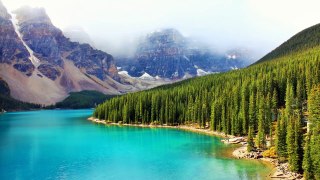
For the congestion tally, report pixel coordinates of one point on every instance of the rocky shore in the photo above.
(281, 170)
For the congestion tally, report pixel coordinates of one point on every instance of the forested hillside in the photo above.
(83, 99)
(304, 40)
(269, 101)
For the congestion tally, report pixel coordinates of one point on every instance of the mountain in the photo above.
(43, 66)
(40, 65)
(303, 40)
(168, 54)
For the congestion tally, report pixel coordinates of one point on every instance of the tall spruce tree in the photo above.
(281, 146)
(250, 141)
(314, 117)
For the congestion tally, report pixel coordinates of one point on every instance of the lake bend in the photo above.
(62, 144)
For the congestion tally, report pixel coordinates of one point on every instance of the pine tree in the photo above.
(252, 110)
(296, 158)
(261, 138)
(307, 160)
(250, 141)
(289, 99)
(314, 117)
(290, 141)
(281, 146)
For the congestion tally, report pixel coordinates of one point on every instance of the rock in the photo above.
(49, 71)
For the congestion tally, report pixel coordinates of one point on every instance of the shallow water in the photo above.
(62, 144)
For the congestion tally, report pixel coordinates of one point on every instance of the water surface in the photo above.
(62, 144)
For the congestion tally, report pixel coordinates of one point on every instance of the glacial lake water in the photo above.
(62, 144)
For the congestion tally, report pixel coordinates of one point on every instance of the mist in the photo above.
(116, 26)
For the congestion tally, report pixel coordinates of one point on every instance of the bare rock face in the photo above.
(163, 54)
(12, 50)
(94, 62)
(51, 46)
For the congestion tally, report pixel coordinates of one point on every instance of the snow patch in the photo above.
(231, 56)
(201, 72)
(187, 76)
(147, 76)
(35, 61)
(186, 58)
(234, 68)
(124, 73)
(175, 74)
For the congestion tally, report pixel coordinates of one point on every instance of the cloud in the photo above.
(115, 25)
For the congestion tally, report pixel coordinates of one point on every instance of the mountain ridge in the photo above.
(307, 38)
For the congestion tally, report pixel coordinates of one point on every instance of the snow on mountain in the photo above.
(147, 76)
(124, 73)
(234, 68)
(201, 72)
(35, 61)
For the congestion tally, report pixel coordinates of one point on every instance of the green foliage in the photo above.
(83, 99)
(281, 134)
(314, 145)
(307, 160)
(250, 142)
(294, 142)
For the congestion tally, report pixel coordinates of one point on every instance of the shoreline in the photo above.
(279, 171)
(180, 127)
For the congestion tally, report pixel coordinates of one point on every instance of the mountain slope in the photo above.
(42, 66)
(303, 40)
(8, 103)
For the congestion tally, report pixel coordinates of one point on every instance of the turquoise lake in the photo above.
(62, 144)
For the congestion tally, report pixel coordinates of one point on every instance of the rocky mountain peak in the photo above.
(27, 14)
(168, 54)
(166, 36)
(3, 12)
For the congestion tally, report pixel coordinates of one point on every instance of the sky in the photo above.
(116, 25)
